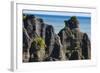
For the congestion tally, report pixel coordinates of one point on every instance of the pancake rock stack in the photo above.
(41, 43)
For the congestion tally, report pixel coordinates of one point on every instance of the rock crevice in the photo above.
(41, 43)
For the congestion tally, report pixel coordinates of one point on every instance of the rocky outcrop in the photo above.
(76, 43)
(41, 43)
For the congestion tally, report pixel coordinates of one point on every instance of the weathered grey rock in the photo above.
(28, 34)
(45, 31)
(76, 43)
(36, 27)
(37, 49)
(69, 44)
(72, 22)
(86, 47)
(58, 51)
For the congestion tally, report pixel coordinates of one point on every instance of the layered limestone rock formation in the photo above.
(76, 43)
(41, 43)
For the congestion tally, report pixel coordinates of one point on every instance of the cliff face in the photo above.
(41, 43)
(75, 42)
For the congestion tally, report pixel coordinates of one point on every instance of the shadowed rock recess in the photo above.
(41, 43)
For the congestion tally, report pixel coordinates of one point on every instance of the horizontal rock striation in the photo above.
(41, 43)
